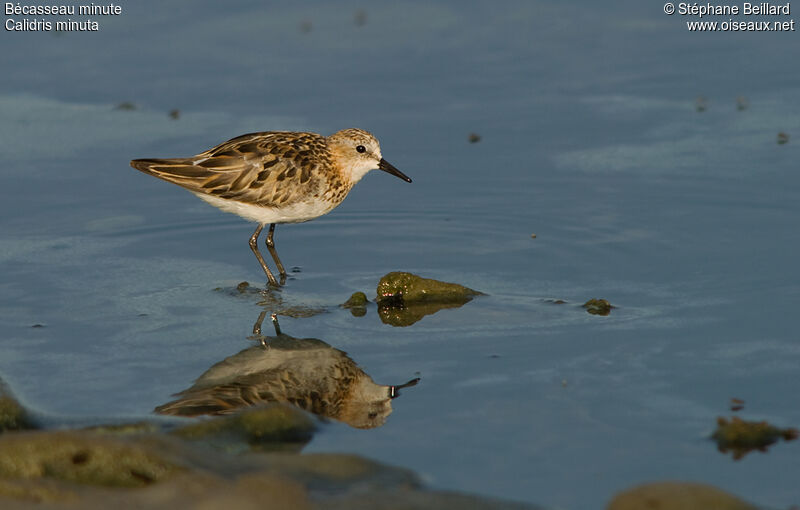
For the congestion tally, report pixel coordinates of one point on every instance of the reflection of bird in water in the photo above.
(305, 372)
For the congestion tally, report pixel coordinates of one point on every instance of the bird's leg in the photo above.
(257, 329)
(274, 253)
(254, 247)
(259, 321)
(274, 318)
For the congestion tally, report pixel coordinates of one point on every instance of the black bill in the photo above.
(388, 168)
(394, 390)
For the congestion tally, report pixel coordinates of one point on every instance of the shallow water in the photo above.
(685, 220)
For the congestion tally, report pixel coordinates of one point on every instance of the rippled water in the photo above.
(686, 221)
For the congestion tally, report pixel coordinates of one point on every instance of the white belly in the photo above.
(297, 212)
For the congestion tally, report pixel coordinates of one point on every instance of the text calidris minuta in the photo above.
(276, 177)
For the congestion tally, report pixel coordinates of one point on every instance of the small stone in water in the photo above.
(598, 306)
(700, 104)
(360, 18)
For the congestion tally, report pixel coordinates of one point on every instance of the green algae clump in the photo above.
(357, 304)
(12, 415)
(741, 436)
(408, 288)
(81, 457)
(676, 496)
(405, 298)
(598, 306)
(358, 299)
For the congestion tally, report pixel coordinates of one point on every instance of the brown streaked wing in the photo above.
(215, 400)
(266, 168)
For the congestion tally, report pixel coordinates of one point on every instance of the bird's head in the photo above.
(357, 152)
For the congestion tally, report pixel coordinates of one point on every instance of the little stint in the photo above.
(276, 177)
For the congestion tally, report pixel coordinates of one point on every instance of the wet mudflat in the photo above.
(119, 291)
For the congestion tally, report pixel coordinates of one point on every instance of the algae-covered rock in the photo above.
(357, 304)
(741, 437)
(598, 306)
(358, 299)
(81, 457)
(221, 481)
(124, 429)
(676, 496)
(44, 474)
(405, 298)
(408, 288)
(406, 498)
(23, 492)
(266, 427)
(12, 415)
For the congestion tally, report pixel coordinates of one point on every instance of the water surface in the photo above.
(685, 220)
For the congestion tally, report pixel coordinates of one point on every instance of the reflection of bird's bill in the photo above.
(390, 169)
(394, 390)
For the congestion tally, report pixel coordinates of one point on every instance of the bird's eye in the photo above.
(361, 148)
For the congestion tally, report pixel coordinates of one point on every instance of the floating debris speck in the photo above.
(783, 138)
(360, 18)
(175, 114)
(742, 103)
(701, 104)
(125, 106)
(474, 138)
